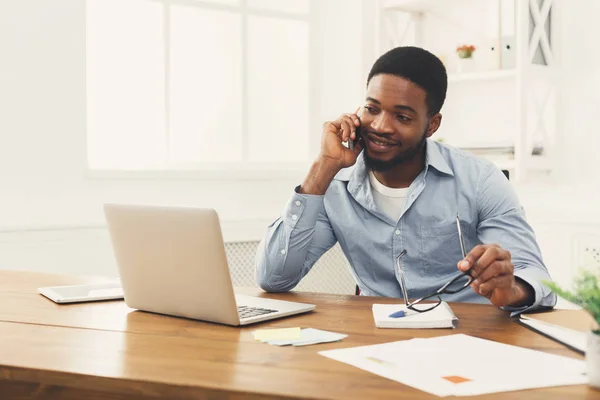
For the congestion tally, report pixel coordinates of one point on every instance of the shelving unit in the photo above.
(413, 6)
(482, 76)
(531, 84)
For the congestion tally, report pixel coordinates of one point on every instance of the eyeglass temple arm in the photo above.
(462, 244)
(460, 236)
(402, 280)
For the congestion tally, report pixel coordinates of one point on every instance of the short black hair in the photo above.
(418, 66)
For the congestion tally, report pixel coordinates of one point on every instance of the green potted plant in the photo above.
(586, 293)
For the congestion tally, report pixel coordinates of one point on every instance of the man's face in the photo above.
(395, 122)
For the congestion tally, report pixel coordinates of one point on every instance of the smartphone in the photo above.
(352, 143)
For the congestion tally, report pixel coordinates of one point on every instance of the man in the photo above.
(399, 190)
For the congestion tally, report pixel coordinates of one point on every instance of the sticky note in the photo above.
(310, 336)
(456, 379)
(277, 334)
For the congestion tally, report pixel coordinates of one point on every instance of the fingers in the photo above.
(331, 127)
(348, 125)
(347, 128)
(482, 256)
(492, 254)
(355, 119)
(503, 282)
(470, 259)
(344, 127)
(496, 268)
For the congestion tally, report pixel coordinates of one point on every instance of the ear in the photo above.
(434, 124)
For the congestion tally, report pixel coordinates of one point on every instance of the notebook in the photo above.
(571, 338)
(440, 317)
(568, 327)
(578, 320)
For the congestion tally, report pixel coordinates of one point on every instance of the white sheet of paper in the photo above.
(479, 366)
(310, 336)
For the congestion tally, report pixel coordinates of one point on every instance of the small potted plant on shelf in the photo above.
(465, 51)
(466, 63)
(586, 293)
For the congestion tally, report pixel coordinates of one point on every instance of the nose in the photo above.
(382, 123)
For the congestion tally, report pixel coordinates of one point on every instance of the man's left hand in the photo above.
(493, 271)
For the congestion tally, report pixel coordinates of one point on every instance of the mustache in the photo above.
(385, 137)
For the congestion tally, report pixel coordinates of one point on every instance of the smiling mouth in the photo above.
(384, 143)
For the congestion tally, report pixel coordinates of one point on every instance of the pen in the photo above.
(402, 313)
(398, 314)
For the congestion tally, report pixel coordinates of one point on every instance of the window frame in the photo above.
(242, 170)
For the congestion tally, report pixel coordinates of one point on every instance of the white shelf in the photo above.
(535, 163)
(414, 28)
(482, 76)
(504, 158)
(414, 6)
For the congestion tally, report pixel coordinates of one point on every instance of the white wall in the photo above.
(48, 204)
(581, 83)
(42, 141)
(43, 179)
(42, 123)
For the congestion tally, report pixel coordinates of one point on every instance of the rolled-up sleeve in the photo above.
(293, 243)
(502, 221)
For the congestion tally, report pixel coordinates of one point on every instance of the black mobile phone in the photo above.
(352, 143)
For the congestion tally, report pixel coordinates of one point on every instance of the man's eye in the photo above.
(370, 109)
(403, 118)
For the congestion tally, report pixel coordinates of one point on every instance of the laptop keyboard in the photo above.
(247, 312)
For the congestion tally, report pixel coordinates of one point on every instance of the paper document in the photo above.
(569, 337)
(462, 365)
(304, 337)
(440, 317)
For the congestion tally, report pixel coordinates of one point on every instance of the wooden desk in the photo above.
(106, 350)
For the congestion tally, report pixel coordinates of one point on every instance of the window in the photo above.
(190, 84)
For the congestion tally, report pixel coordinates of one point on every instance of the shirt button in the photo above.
(298, 203)
(397, 232)
(294, 217)
(283, 251)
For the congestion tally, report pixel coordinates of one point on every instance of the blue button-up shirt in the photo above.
(452, 182)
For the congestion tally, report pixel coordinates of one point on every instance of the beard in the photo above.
(377, 165)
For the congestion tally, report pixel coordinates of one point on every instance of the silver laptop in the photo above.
(172, 261)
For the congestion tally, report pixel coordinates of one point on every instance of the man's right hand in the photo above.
(335, 132)
(334, 155)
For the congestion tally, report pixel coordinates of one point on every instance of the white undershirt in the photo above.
(389, 200)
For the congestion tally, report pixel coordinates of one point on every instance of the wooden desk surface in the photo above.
(107, 350)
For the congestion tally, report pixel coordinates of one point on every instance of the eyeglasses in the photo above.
(456, 285)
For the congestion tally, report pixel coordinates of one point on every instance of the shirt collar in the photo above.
(435, 159)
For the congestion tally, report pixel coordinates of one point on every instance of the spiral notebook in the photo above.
(440, 317)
